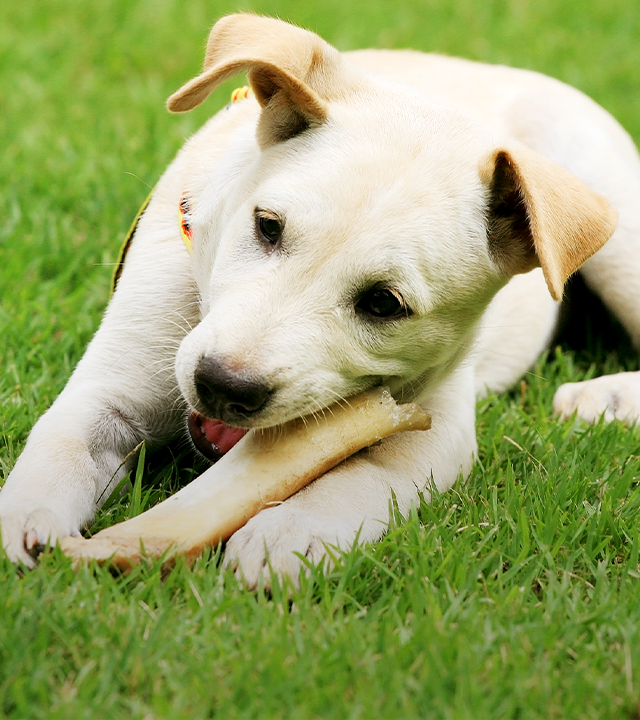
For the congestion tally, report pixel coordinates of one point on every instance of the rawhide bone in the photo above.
(264, 468)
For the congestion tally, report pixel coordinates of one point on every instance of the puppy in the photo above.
(374, 217)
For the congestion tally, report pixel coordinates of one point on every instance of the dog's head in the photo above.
(361, 234)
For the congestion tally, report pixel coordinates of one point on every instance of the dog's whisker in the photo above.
(162, 371)
(166, 344)
(180, 327)
(320, 412)
(341, 401)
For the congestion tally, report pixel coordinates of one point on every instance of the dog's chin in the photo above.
(212, 438)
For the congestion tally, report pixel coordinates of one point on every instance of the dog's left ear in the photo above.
(540, 215)
(292, 72)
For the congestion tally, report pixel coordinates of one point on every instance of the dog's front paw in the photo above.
(278, 538)
(614, 397)
(26, 532)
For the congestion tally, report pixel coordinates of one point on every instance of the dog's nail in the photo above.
(31, 540)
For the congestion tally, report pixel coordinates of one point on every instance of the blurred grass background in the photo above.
(514, 596)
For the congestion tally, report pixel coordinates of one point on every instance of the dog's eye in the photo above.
(270, 228)
(383, 303)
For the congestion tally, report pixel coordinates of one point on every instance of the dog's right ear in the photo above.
(292, 72)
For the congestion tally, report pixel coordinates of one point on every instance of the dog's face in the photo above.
(355, 235)
(351, 255)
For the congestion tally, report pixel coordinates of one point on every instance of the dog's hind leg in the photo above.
(123, 391)
(613, 273)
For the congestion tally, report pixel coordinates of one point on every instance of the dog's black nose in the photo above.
(226, 395)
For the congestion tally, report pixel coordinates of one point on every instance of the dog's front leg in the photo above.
(352, 502)
(122, 392)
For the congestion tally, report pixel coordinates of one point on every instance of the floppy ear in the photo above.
(542, 215)
(292, 72)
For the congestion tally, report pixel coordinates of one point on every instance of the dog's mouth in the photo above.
(213, 438)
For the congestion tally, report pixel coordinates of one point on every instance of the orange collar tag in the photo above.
(184, 209)
(185, 222)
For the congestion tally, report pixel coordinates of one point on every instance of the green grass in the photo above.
(514, 596)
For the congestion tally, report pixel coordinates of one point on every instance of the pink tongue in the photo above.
(212, 438)
(223, 436)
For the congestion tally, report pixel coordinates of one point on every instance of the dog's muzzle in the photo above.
(226, 395)
(225, 400)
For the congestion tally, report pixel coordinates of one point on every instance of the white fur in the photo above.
(390, 187)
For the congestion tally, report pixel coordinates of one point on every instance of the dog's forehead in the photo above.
(380, 175)
(377, 152)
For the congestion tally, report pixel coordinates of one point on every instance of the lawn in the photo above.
(516, 595)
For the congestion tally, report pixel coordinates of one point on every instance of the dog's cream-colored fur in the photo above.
(469, 191)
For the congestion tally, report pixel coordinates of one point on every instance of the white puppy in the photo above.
(357, 221)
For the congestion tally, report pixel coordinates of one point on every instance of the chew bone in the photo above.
(265, 467)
